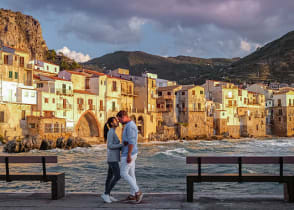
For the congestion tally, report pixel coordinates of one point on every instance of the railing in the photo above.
(91, 107)
(64, 92)
(28, 83)
(62, 106)
(81, 107)
(29, 66)
(166, 96)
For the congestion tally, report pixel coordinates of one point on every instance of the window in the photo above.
(87, 83)
(289, 102)
(32, 125)
(48, 128)
(56, 128)
(47, 68)
(23, 114)
(46, 100)
(80, 101)
(183, 93)
(114, 87)
(159, 93)
(113, 106)
(130, 89)
(2, 116)
(201, 92)
(15, 75)
(55, 69)
(169, 93)
(10, 74)
(39, 85)
(64, 114)
(53, 100)
(90, 101)
(101, 105)
(193, 92)
(21, 61)
(199, 106)
(279, 102)
(280, 112)
(5, 59)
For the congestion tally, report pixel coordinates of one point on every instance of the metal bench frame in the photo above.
(288, 180)
(57, 179)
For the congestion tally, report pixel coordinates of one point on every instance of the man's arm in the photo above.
(131, 135)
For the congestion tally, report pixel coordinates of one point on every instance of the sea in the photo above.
(160, 167)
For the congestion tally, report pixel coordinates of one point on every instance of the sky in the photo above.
(85, 29)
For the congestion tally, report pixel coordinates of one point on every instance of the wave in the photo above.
(177, 153)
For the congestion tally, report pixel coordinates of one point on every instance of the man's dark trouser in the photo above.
(112, 177)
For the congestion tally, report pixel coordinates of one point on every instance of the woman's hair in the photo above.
(107, 126)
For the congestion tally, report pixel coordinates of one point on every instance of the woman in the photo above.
(113, 158)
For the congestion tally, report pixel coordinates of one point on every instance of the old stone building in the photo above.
(192, 119)
(17, 92)
(283, 113)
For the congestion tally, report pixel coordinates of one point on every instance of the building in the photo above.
(44, 66)
(283, 113)
(17, 92)
(192, 118)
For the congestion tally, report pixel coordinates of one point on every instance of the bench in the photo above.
(287, 180)
(57, 179)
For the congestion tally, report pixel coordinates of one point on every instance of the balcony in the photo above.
(64, 106)
(166, 97)
(28, 83)
(81, 107)
(154, 96)
(91, 107)
(64, 92)
(164, 109)
(29, 66)
(196, 110)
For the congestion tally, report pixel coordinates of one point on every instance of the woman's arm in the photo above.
(110, 141)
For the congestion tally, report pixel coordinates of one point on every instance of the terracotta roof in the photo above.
(168, 87)
(56, 78)
(93, 72)
(38, 70)
(77, 73)
(83, 92)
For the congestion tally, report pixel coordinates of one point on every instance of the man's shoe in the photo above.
(139, 197)
(113, 199)
(106, 198)
(131, 198)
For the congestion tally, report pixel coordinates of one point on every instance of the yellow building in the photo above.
(17, 92)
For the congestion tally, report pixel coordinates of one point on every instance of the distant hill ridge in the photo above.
(184, 69)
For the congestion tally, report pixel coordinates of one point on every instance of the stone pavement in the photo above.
(87, 201)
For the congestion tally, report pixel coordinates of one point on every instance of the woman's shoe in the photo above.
(106, 198)
(113, 199)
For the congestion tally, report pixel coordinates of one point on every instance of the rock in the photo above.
(60, 143)
(44, 145)
(37, 141)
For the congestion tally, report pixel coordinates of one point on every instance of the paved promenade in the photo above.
(87, 201)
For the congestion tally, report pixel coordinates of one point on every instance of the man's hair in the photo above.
(122, 113)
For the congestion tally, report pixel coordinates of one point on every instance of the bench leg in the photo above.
(190, 189)
(289, 191)
(58, 187)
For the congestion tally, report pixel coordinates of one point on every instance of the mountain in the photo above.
(183, 69)
(272, 62)
(23, 32)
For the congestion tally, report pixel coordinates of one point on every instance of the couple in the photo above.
(128, 150)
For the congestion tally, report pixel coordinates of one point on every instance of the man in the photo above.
(129, 155)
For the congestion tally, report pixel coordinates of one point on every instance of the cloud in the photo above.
(237, 25)
(245, 46)
(77, 56)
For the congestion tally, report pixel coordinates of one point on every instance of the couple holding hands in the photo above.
(126, 152)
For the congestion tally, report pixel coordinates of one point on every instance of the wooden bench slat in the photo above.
(28, 159)
(235, 160)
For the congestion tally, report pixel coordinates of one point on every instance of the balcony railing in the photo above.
(28, 83)
(62, 106)
(91, 107)
(101, 108)
(29, 66)
(64, 92)
(81, 107)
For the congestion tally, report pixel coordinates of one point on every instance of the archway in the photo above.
(88, 126)
(140, 125)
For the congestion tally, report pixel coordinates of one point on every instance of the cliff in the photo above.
(23, 32)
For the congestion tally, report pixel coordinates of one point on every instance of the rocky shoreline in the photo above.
(35, 142)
